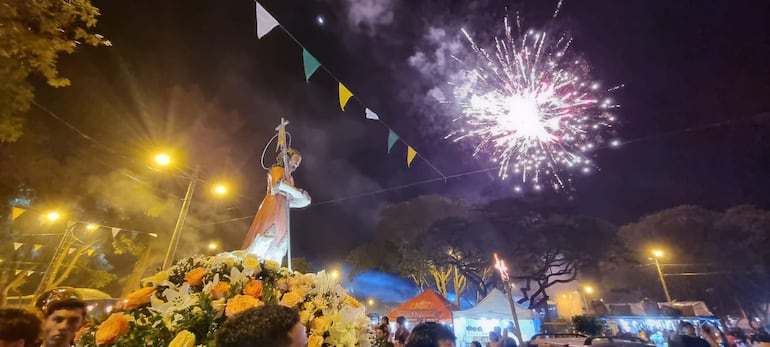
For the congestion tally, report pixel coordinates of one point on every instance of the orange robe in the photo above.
(270, 224)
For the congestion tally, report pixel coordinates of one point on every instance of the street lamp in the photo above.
(52, 216)
(658, 254)
(335, 274)
(586, 290)
(220, 189)
(163, 159)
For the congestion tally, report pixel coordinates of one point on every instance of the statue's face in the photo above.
(295, 160)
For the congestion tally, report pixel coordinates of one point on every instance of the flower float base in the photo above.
(184, 305)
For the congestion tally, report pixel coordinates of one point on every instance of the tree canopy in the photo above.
(33, 34)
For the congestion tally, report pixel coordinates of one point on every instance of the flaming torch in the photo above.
(503, 270)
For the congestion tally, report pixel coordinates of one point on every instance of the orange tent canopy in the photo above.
(427, 306)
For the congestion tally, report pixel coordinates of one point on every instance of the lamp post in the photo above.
(503, 270)
(172, 245)
(657, 254)
(586, 290)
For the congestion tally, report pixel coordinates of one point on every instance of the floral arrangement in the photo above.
(184, 305)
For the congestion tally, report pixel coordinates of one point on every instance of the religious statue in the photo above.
(268, 236)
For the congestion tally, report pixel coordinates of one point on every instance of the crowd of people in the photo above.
(61, 313)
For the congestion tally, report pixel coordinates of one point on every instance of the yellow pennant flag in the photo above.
(16, 245)
(345, 95)
(90, 252)
(17, 272)
(37, 247)
(410, 154)
(16, 212)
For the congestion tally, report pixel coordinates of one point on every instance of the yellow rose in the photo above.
(218, 306)
(291, 299)
(138, 298)
(304, 316)
(272, 266)
(241, 303)
(195, 276)
(308, 305)
(253, 288)
(320, 324)
(111, 329)
(219, 290)
(315, 341)
(250, 261)
(351, 301)
(183, 339)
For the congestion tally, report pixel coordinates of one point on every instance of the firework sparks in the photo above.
(533, 107)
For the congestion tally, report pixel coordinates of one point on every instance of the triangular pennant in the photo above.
(371, 115)
(16, 212)
(17, 272)
(29, 273)
(153, 234)
(90, 252)
(71, 250)
(392, 138)
(115, 232)
(16, 245)
(311, 64)
(410, 154)
(265, 21)
(345, 95)
(37, 247)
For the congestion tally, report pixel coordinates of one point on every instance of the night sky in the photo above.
(686, 65)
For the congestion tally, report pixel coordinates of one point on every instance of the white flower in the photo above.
(177, 299)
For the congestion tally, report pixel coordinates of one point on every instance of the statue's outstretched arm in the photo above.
(297, 197)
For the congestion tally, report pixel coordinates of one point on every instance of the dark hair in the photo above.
(66, 304)
(16, 323)
(400, 339)
(401, 320)
(475, 344)
(385, 318)
(264, 326)
(428, 334)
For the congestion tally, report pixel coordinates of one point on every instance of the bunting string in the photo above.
(266, 23)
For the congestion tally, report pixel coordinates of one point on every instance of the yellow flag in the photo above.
(345, 95)
(17, 272)
(90, 252)
(410, 154)
(16, 212)
(37, 247)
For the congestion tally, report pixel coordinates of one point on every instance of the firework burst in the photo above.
(532, 106)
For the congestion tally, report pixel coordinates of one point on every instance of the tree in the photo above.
(724, 255)
(589, 325)
(34, 34)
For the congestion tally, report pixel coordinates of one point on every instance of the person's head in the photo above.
(381, 331)
(498, 330)
(264, 326)
(475, 344)
(64, 312)
(384, 320)
(686, 328)
(430, 334)
(18, 327)
(401, 321)
(399, 341)
(494, 336)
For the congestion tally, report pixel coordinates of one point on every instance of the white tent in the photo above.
(494, 310)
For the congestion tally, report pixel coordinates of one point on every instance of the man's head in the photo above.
(430, 334)
(18, 327)
(64, 312)
(264, 326)
(381, 331)
(401, 321)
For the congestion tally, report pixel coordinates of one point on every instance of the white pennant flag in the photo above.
(371, 115)
(16, 245)
(115, 232)
(265, 21)
(29, 273)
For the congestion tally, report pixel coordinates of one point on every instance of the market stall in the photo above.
(474, 324)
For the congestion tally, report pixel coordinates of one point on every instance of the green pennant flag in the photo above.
(311, 64)
(392, 138)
